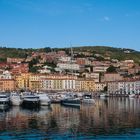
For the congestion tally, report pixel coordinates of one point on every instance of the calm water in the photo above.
(112, 118)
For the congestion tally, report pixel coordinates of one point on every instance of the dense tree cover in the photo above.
(111, 69)
(52, 64)
(33, 62)
(34, 69)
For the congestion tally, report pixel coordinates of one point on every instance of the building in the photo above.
(65, 59)
(22, 81)
(94, 76)
(98, 69)
(112, 77)
(124, 87)
(100, 86)
(35, 81)
(87, 85)
(5, 75)
(68, 66)
(15, 60)
(20, 68)
(7, 84)
(58, 82)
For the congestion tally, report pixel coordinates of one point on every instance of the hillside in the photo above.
(105, 51)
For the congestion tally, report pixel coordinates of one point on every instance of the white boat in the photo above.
(30, 98)
(132, 96)
(4, 101)
(15, 98)
(88, 99)
(4, 98)
(103, 95)
(44, 99)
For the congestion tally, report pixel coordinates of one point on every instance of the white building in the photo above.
(68, 66)
(124, 87)
(6, 75)
(100, 68)
(100, 86)
(68, 84)
(65, 59)
(47, 84)
(44, 71)
(94, 76)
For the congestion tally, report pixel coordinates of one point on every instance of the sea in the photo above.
(111, 118)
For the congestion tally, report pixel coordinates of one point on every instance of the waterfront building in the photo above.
(46, 84)
(112, 87)
(7, 84)
(100, 86)
(58, 82)
(124, 87)
(87, 85)
(78, 84)
(35, 81)
(22, 81)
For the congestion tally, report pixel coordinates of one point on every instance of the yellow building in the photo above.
(22, 81)
(35, 82)
(57, 84)
(85, 85)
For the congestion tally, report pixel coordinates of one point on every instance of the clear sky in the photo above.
(59, 23)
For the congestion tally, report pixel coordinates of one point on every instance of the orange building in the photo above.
(20, 68)
(7, 84)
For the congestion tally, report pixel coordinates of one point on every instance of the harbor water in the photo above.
(111, 118)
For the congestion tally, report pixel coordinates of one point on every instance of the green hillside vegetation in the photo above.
(105, 51)
(113, 53)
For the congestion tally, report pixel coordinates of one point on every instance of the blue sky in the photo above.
(60, 23)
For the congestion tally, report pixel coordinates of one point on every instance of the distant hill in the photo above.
(113, 53)
(106, 51)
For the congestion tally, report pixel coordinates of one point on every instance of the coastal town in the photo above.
(76, 71)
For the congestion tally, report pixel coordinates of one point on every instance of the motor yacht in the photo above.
(15, 98)
(29, 98)
(4, 101)
(71, 100)
(44, 99)
(87, 99)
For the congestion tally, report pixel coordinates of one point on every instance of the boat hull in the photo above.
(88, 101)
(70, 102)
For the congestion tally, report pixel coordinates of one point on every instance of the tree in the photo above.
(105, 88)
(111, 69)
(34, 69)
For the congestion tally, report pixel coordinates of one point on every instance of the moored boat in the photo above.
(71, 102)
(15, 99)
(4, 98)
(44, 99)
(87, 99)
(132, 96)
(103, 95)
(30, 99)
(4, 101)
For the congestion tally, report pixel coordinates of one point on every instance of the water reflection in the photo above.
(109, 117)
